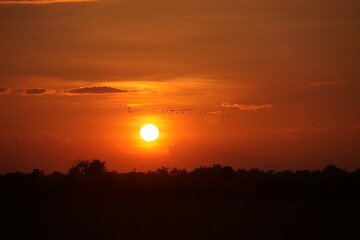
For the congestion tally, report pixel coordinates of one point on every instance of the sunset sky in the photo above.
(273, 84)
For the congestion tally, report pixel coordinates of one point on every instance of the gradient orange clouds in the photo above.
(268, 74)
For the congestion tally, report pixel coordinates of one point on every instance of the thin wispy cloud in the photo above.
(245, 107)
(96, 90)
(321, 83)
(35, 91)
(300, 132)
(215, 112)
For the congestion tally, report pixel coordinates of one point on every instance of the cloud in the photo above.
(96, 90)
(245, 107)
(320, 83)
(215, 112)
(300, 132)
(41, 1)
(35, 91)
(352, 128)
(3, 90)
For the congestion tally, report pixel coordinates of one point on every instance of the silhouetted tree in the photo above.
(177, 172)
(96, 167)
(87, 168)
(333, 171)
(163, 171)
(37, 172)
(227, 172)
(356, 174)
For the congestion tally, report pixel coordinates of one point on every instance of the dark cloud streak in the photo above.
(2, 90)
(96, 90)
(35, 91)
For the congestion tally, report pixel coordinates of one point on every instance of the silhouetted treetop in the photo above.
(87, 168)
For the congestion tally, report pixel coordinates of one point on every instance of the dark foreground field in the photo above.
(179, 218)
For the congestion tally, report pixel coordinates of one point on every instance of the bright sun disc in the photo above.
(149, 132)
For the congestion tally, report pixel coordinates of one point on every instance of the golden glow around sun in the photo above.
(149, 132)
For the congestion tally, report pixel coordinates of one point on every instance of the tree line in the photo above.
(91, 178)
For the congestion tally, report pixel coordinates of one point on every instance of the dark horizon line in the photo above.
(272, 171)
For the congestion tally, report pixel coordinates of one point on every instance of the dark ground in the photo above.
(179, 218)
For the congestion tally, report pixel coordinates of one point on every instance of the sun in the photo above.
(149, 132)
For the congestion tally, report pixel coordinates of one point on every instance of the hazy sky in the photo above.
(284, 74)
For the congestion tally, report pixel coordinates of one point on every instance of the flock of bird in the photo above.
(171, 110)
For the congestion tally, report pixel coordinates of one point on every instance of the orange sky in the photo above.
(286, 72)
